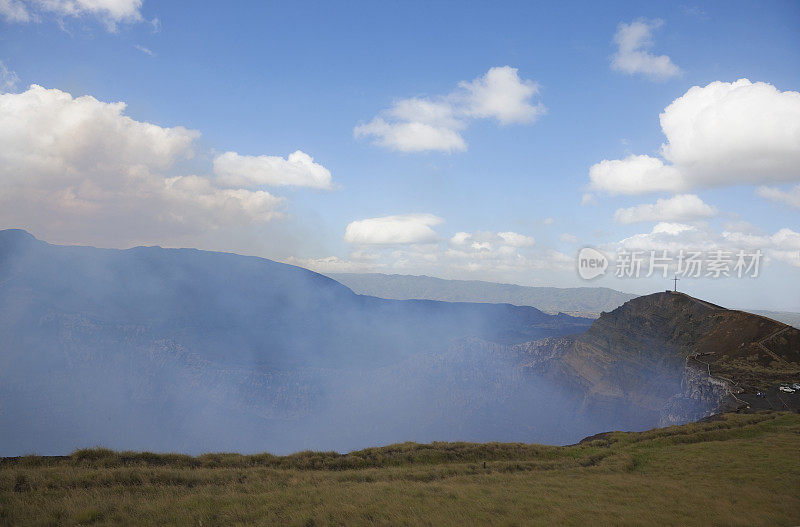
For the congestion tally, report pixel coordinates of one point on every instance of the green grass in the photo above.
(736, 470)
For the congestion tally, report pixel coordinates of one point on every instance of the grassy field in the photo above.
(736, 470)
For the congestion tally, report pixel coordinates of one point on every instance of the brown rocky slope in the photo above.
(675, 356)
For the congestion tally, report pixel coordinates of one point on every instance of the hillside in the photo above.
(193, 351)
(581, 301)
(675, 348)
(733, 470)
(180, 349)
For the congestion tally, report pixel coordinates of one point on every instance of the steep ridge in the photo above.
(676, 356)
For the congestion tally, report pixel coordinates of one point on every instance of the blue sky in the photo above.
(269, 79)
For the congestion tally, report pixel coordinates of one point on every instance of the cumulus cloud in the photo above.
(786, 239)
(683, 207)
(426, 124)
(513, 239)
(673, 237)
(782, 246)
(635, 175)
(412, 136)
(789, 197)
(79, 168)
(110, 12)
(632, 56)
(721, 134)
(500, 95)
(393, 230)
(299, 170)
(406, 244)
(487, 251)
(488, 241)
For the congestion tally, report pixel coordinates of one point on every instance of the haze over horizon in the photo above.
(463, 142)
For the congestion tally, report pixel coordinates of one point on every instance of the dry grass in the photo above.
(738, 470)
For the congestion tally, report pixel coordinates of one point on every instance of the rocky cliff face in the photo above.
(675, 357)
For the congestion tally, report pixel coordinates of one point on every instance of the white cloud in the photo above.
(718, 135)
(487, 255)
(299, 170)
(782, 246)
(425, 124)
(548, 221)
(484, 255)
(746, 240)
(389, 230)
(633, 41)
(146, 51)
(683, 207)
(110, 12)
(568, 238)
(635, 175)
(412, 136)
(789, 197)
(672, 237)
(788, 257)
(783, 239)
(740, 132)
(188, 196)
(501, 95)
(461, 238)
(588, 199)
(78, 169)
(514, 239)
(334, 264)
(8, 78)
(492, 252)
(786, 239)
(488, 241)
(14, 11)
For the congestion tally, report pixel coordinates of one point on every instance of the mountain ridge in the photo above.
(729, 357)
(581, 301)
(192, 351)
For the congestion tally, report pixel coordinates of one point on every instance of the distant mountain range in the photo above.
(193, 351)
(787, 317)
(580, 301)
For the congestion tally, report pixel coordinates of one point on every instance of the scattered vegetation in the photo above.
(733, 470)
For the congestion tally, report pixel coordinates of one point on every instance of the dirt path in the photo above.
(772, 335)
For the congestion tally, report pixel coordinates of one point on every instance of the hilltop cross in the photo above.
(676, 283)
